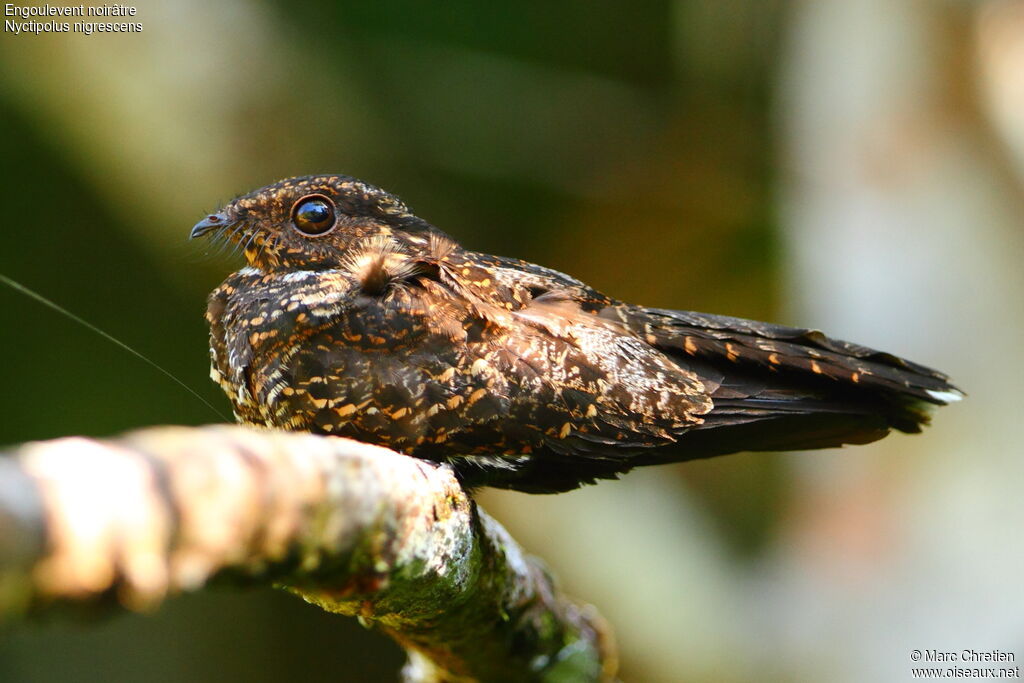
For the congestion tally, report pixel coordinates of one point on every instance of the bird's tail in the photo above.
(782, 388)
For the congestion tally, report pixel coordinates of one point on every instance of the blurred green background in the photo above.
(853, 165)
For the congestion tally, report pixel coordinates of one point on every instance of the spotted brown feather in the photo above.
(383, 329)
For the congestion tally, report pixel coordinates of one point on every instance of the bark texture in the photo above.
(352, 528)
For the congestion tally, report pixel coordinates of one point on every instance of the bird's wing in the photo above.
(588, 395)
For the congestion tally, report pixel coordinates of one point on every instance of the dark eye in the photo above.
(313, 215)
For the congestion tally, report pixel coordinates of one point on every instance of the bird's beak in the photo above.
(208, 224)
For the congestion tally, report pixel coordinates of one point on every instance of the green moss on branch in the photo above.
(355, 529)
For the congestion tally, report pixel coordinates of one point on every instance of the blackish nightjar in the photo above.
(356, 318)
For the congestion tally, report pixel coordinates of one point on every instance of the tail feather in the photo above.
(780, 433)
(781, 388)
(795, 350)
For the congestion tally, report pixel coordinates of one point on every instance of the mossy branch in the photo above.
(353, 528)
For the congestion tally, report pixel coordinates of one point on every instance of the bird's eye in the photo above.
(313, 215)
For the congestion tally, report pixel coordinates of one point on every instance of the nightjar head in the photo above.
(308, 221)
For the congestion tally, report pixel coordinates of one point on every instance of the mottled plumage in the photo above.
(354, 317)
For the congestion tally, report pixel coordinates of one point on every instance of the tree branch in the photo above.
(353, 528)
